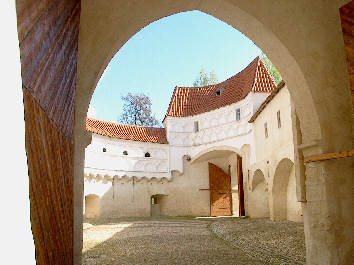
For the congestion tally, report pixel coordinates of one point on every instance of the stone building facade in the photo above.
(211, 158)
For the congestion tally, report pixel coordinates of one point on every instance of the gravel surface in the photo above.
(180, 241)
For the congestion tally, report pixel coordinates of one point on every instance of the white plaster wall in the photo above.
(216, 128)
(181, 195)
(270, 151)
(279, 143)
(113, 163)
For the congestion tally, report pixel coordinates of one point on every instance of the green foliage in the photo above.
(205, 79)
(137, 110)
(271, 69)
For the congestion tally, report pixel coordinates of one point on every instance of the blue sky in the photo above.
(167, 53)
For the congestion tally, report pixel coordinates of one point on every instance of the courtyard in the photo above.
(187, 240)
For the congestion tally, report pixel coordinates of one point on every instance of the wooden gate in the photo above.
(220, 191)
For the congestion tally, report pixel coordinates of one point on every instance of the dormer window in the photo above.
(196, 126)
(238, 114)
(218, 92)
(147, 154)
(125, 153)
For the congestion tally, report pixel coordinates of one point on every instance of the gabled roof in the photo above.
(127, 132)
(189, 101)
(267, 100)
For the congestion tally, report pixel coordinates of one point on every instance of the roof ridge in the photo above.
(123, 124)
(225, 79)
(127, 131)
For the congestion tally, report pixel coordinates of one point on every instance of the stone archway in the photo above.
(279, 205)
(269, 28)
(311, 60)
(258, 197)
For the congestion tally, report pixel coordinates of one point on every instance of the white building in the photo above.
(196, 164)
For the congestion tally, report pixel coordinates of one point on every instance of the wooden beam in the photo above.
(329, 156)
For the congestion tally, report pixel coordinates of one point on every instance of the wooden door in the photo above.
(241, 199)
(220, 191)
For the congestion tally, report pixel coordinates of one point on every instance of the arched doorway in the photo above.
(224, 175)
(284, 205)
(92, 206)
(258, 205)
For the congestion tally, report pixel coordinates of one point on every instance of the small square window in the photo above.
(238, 114)
(265, 130)
(196, 126)
(278, 118)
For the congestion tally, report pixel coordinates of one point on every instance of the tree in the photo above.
(137, 110)
(271, 69)
(204, 79)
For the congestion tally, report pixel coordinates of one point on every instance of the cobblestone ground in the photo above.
(267, 241)
(178, 241)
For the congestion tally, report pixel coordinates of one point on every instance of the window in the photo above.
(104, 150)
(196, 126)
(125, 153)
(218, 93)
(278, 118)
(238, 114)
(147, 154)
(265, 130)
(154, 200)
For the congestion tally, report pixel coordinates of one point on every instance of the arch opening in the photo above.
(258, 196)
(284, 202)
(281, 57)
(92, 206)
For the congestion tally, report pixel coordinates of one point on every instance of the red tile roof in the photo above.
(127, 132)
(189, 101)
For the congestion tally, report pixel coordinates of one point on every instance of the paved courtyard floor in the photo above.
(192, 241)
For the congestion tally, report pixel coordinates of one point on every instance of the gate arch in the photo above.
(323, 107)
